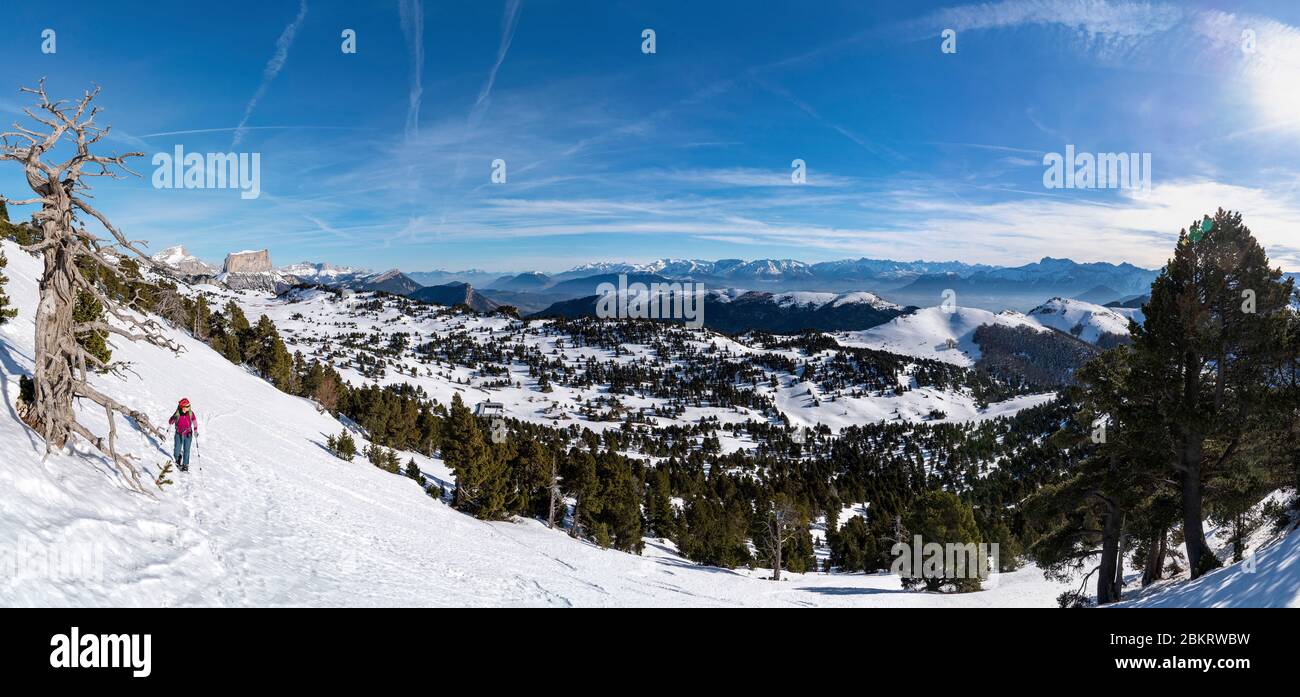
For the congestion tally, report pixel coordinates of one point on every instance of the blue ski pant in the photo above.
(181, 448)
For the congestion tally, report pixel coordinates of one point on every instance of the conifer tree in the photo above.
(620, 502)
(1116, 439)
(266, 352)
(941, 517)
(234, 328)
(530, 479)
(481, 479)
(6, 312)
(413, 471)
(579, 477)
(343, 446)
(202, 318)
(854, 547)
(1213, 347)
(660, 516)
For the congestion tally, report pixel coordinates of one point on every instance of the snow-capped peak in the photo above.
(1085, 320)
(819, 300)
(178, 258)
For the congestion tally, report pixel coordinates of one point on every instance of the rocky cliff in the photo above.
(248, 262)
(253, 271)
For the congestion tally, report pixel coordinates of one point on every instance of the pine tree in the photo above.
(714, 533)
(481, 478)
(413, 471)
(381, 457)
(580, 482)
(343, 446)
(1212, 348)
(620, 507)
(854, 547)
(1115, 437)
(234, 328)
(530, 479)
(661, 518)
(22, 234)
(6, 313)
(266, 352)
(202, 318)
(941, 517)
(1008, 547)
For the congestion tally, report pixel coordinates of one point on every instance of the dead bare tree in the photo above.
(783, 523)
(61, 363)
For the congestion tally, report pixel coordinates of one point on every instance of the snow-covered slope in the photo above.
(933, 332)
(818, 300)
(269, 517)
(1085, 320)
(936, 333)
(1269, 576)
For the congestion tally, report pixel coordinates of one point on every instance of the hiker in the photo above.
(187, 427)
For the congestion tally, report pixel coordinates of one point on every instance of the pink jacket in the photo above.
(186, 424)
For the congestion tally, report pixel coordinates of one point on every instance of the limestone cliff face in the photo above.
(253, 271)
(248, 262)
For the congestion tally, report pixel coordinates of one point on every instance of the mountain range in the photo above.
(905, 283)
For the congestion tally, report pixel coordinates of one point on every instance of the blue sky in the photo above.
(383, 158)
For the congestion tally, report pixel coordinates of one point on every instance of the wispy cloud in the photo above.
(1094, 18)
(909, 222)
(508, 24)
(411, 13)
(199, 131)
(272, 69)
(744, 178)
(875, 148)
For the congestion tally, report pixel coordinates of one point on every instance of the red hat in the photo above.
(184, 403)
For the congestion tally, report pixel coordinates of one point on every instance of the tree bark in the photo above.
(1153, 570)
(1108, 588)
(1199, 557)
(54, 379)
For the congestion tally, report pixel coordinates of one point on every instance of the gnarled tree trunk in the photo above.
(61, 370)
(54, 379)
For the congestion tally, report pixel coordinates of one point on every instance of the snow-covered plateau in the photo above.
(267, 516)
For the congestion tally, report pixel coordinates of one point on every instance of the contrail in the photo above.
(194, 131)
(272, 68)
(508, 23)
(412, 17)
